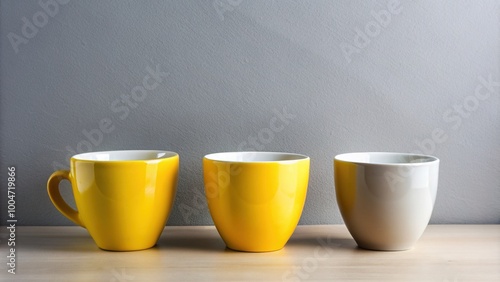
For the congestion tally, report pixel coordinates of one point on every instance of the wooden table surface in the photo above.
(324, 252)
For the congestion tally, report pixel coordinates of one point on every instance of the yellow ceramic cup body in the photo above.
(256, 198)
(123, 198)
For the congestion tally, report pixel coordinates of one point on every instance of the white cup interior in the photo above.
(385, 158)
(251, 157)
(127, 155)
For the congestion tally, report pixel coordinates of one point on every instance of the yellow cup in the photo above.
(256, 198)
(123, 198)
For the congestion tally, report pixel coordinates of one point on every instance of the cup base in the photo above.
(126, 249)
(254, 250)
(386, 249)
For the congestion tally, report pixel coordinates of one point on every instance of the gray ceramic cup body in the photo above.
(386, 199)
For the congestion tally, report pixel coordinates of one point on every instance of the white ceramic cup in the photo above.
(386, 199)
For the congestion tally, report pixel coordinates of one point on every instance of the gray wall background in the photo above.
(347, 82)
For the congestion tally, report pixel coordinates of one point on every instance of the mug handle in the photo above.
(57, 199)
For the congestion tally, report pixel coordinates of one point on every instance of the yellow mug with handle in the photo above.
(123, 198)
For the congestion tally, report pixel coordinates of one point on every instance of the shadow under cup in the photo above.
(256, 198)
(386, 199)
(123, 198)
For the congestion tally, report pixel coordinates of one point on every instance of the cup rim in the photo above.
(160, 155)
(225, 157)
(423, 159)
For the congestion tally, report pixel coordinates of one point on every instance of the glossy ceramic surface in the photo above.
(386, 199)
(256, 198)
(123, 198)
